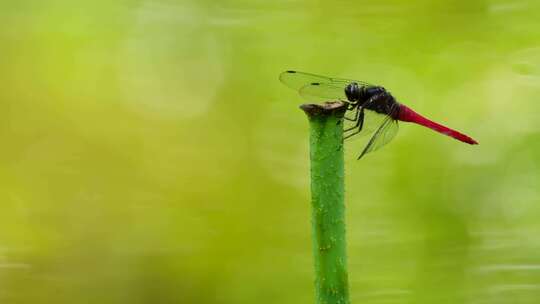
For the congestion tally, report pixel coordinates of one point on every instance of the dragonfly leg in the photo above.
(359, 124)
(359, 121)
(350, 107)
(349, 119)
(352, 134)
(357, 115)
(360, 115)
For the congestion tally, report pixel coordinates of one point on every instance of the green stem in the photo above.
(327, 199)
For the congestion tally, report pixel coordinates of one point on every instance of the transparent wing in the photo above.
(383, 135)
(297, 80)
(323, 91)
(372, 121)
(377, 130)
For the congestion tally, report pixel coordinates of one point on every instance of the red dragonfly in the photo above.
(371, 108)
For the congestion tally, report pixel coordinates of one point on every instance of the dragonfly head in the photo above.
(353, 91)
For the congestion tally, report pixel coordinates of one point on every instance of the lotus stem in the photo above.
(327, 201)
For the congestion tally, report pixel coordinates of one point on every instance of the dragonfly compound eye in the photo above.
(352, 91)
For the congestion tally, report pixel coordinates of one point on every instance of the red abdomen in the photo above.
(408, 115)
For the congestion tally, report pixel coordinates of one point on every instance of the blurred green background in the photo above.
(150, 155)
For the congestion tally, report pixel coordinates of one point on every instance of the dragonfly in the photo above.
(371, 109)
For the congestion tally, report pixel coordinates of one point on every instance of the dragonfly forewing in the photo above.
(323, 92)
(297, 80)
